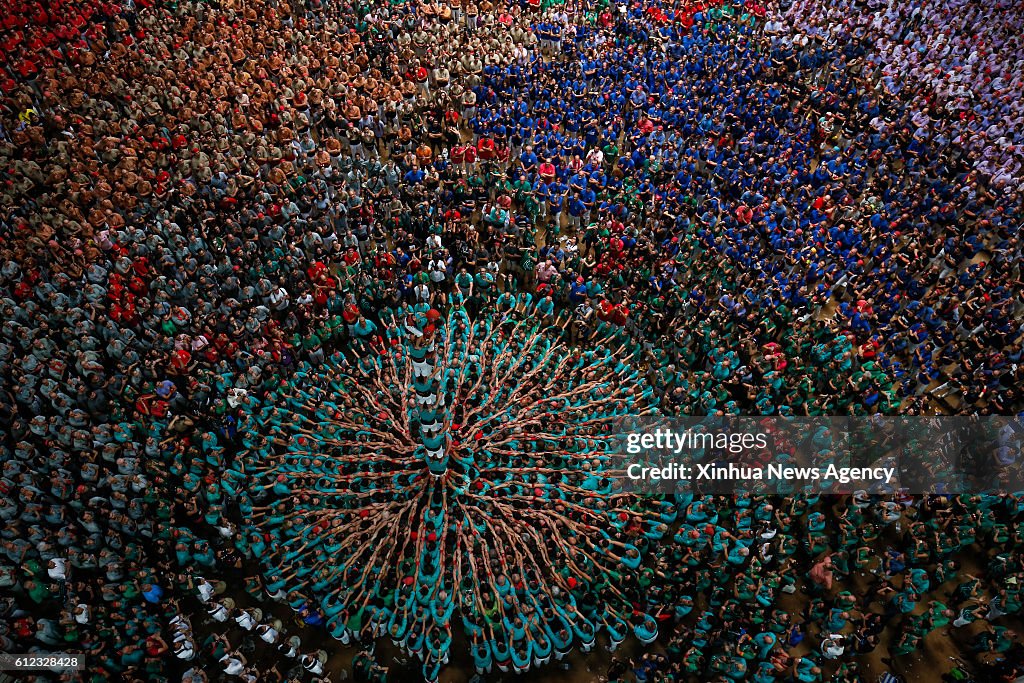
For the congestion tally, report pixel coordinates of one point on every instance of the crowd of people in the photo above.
(508, 527)
(806, 209)
(957, 64)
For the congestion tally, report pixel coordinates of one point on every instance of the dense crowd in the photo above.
(809, 209)
(957, 65)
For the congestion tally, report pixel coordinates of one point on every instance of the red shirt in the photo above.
(485, 148)
(27, 68)
(315, 270)
(180, 359)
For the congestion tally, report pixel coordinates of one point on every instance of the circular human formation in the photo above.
(456, 476)
(207, 208)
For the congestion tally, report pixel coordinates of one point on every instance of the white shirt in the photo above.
(58, 571)
(279, 298)
(312, 665)
(245, 620)
(82, 614)
(232, 666)
(206, 590)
